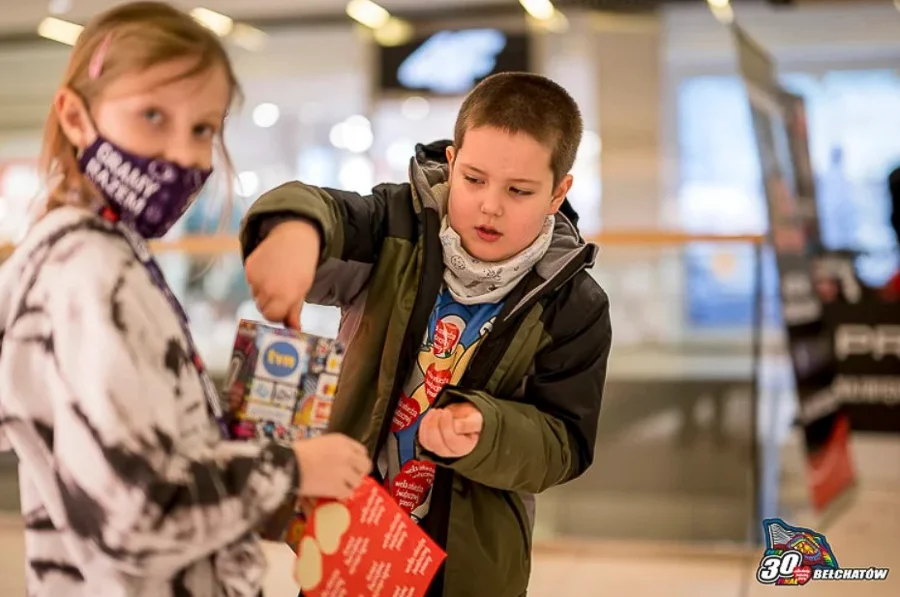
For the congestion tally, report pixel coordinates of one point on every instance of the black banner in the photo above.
(866, 341)
(780, 128)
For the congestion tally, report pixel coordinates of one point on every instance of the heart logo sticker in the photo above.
(803, 574)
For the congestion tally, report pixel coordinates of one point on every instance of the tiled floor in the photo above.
(866, 534)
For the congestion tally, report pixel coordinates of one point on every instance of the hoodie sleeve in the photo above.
(141, 477)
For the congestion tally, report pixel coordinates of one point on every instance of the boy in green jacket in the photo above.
(477, 341)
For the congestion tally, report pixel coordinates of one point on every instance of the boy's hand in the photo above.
(451, 432)
(281, 270)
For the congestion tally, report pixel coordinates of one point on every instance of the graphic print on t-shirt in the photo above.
(454, 332)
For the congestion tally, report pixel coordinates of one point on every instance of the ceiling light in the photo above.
(214, 21)
(368, 13)
(247, 37)
(58, 30)
(718, 3)
(724, 14)
(395, 32)
(558, 23)
(541, 10)
(266, 115)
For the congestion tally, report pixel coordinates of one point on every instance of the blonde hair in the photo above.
(128, 38)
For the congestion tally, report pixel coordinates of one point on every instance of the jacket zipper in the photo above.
(412, 336)
(437, 521)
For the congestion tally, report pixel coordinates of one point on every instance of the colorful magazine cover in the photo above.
(280, 383)
(280, 386)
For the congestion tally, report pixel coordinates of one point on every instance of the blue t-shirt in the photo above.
(454, 333)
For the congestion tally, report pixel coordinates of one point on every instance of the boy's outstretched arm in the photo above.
(351, 229)
(547, 437)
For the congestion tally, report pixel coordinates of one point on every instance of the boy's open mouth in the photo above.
(488, 234)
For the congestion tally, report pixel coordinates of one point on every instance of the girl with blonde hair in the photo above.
(128, 487)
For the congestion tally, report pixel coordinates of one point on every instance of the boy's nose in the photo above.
(491, 206)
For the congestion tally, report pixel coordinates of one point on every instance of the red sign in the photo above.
(446, 335)
(365, 545)
(831, 467)
(412, 484)
(435, 380)
(407, 412)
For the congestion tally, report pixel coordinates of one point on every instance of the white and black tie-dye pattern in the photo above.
(127, 490)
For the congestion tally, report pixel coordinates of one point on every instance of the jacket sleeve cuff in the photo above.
(487, 441)
(294, 201)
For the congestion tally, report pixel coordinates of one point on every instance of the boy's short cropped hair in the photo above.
(518, 102)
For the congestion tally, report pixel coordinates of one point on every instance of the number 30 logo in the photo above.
(771, 568)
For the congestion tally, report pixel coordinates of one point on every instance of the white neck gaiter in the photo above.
(472, 281)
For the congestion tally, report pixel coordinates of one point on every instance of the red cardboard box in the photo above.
(366, 546)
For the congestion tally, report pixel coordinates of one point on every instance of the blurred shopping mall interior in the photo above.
(700, 436)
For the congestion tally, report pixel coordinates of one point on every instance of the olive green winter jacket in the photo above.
(537, 377)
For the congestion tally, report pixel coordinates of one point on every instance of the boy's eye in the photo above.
(472, 179)
(520, 192)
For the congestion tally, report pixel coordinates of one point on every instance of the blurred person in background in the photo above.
(891, 290)
(128, 488)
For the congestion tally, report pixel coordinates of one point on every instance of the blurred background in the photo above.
(698, 438)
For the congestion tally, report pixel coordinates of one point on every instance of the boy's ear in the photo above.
(73, 118)
(450, 152)
(559, 194)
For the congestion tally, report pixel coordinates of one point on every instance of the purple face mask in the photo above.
(149, 194)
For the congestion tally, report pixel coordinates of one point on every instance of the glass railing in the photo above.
(695, 437)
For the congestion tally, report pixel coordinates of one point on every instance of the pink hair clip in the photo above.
(96, 66)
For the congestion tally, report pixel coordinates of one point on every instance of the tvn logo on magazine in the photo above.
(795, 556)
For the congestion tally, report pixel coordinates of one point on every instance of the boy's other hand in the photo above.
(451, 432)
(331, 466)
(281, 270)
